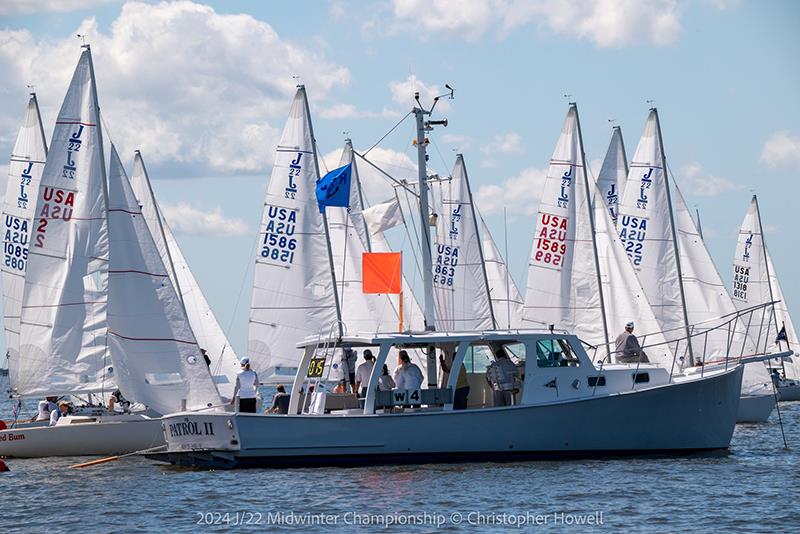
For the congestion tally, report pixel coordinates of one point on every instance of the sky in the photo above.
(203, 90)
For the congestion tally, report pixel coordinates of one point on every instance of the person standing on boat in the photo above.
(408, 375)
(46, 408)
(462, 385)
(55, 415)
(385, 381)
(246, 388)
(503, 375)
(349, 361)
(628, 349)
(363, 372)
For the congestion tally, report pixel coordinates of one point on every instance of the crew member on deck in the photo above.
(408, 375)
(46, 408)
(55, 415)
(363, 372)
(280, 402)
(246, 388)
(628, 349)
(503, 375)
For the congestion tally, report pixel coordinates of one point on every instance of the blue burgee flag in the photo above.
(333, 189)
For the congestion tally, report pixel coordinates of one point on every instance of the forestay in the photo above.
(209, 334)
(63, 331)
(19, 205)
(506, 298)
(613, 173)
(752, 287)
(644, 226)
(459, 281)
(292, 288)
(155, 353)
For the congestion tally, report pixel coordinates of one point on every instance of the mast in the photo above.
(766, 265)
(161, 229)
(622, 146)
(590, 207)
(480, 244)
(324, 216)
(674, 238)
(425, 229)
(700, 228)
(39, 118)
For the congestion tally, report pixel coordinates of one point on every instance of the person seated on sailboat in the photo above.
(363, 372)
(341, 386)
(246, 388)
(503, 376)
(628, 349)
(45, 408)
(462, 385)
(408, 375)
(55, 415)
(385, 381)
(115, 399)
(280, 401)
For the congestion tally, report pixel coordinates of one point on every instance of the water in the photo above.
(753, 487)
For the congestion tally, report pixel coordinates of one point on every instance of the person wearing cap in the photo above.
(628, 349)
(246, 388)
(363, 372)
(55, 415)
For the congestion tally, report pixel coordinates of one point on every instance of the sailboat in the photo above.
(19, 206)
(567, 405)
(506, 298)
(579, 279)
(116, 313)
(613, 173)
(677, 272)
(224, 364)
(755, 281)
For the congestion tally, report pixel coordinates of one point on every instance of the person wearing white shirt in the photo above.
(55, 415)
(45, 408)
(385, 381)
(363, 372)
(246, 388)
(408, 375)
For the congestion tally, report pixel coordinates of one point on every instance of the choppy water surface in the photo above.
(754, 487)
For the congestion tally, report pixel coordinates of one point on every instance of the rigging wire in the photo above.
(393, 128)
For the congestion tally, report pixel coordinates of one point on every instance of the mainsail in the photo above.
(613, 173)
(63, 325)
(460, 285)
(756, 282)
(293, 294)
(19, 205)
(209, 334)
(152, 346)
(570, 265)
(506, 298)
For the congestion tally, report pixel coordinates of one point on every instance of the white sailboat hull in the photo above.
(83, 436)
(682, 417)
(755, 408)
(789, 390)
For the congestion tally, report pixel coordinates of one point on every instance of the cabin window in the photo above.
(641, 378)
(555, 353)
(597, 381)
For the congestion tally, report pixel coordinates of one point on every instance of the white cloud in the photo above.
(697, 181)
(349, 111)
(519, 194)
(606, 23)
(781, 149)
(505, 143)
(403, 93)
(27, 7)
(178, 80)
(186, 219)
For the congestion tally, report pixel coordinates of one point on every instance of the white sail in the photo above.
(292, 288)
(361, 313)
(645, 230)
(63, 331)
(19, 206)
(209, 334)
(563, 287)
(751, 287)
(460, 289)
(157, 359)
(613, 173)
(506, 298)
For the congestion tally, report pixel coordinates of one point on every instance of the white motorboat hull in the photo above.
(789, 391)
(83, 436)
(755, 408)
(681, 417)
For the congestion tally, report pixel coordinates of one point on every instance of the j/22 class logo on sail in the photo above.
(294, 173)
(73, 147)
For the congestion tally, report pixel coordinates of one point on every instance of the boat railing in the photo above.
(746, 331)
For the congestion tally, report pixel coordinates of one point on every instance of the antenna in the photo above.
(297, 80)
(568, 96)
(82, 37)
(651, 103)
(31, 88)
(612, 122)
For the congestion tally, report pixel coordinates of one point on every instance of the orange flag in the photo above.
(382, 272)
